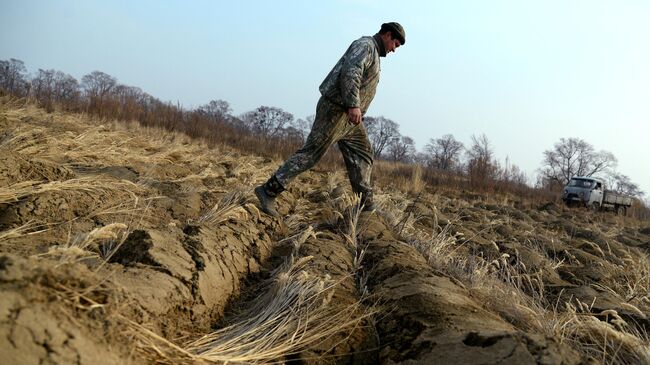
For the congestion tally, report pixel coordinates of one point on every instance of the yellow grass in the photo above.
(295, 312)
(229, 207)
(91, 185)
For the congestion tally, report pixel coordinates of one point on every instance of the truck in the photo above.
(590, 192)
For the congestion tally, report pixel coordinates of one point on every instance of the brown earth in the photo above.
(121, 244)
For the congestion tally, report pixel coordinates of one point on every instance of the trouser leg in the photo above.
(329, 125)
(358, 157)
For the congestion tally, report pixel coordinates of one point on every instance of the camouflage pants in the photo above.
(332, 126)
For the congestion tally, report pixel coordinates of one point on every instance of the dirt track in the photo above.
(120, 244)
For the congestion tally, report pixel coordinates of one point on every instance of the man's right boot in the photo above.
(367, 201)
(267, 193)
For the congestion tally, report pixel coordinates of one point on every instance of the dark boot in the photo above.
(367, 201)
(267, 193)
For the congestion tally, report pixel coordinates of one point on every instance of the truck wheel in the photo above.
(595, 206)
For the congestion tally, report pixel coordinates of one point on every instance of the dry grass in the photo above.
(91, 185)
(349, 207)
(633, 280)
(77, 140)
(403, 177)
(88, 245)
(506, 287)
(27, 229)
(439, 246)
(294, 313)
(519, 297)
(604, 336)
(229, 207)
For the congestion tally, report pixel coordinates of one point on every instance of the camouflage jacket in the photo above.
(353, 80)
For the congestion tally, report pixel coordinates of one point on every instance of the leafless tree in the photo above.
(13, 77)
(511, 173)
(444, 153)
(421, 158)
(43, 87)
(131, 101)
(267, 120)
(67, 88)
(575, 157)
(51, 86)
(622, 184)
(303, 126)
(217, 110)
(480, 164)
(292, 135)
(401, 149)
(380, 132)
(97, 86)
(480, 152)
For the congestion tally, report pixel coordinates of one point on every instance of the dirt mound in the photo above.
(15, 167)
(332, 255)
(432, 319)
(42, 309)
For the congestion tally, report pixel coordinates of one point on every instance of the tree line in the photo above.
(269, 128)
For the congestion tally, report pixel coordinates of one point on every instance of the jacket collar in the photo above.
(380, 45)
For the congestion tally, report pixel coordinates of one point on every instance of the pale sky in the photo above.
(525, 73)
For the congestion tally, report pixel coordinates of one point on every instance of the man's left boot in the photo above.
(367, 202)
(266, 194)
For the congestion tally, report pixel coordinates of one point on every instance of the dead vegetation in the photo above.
(155, 240)
(524, 280)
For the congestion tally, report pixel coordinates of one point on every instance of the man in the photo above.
(346, 94)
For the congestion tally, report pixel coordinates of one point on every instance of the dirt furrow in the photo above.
(332, 255)
(430, 319)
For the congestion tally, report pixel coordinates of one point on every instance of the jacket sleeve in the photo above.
(354, 65)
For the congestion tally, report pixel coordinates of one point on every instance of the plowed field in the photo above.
(126, 245)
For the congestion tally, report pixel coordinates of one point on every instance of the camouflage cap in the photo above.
(396, 29)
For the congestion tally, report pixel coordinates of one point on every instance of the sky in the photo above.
(524, 73)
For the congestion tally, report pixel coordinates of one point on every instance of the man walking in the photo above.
(346, 94)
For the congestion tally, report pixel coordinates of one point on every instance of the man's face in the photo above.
(390, 44)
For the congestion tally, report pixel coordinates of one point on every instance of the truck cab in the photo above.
(586, 191)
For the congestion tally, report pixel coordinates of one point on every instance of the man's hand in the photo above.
(354, 115)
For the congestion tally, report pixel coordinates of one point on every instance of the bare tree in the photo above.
(480, 164)
(98, 84)
(401, 149)
(13, 77)
(267, 120)
(303, 126)
(51, 86)
(292, 135)
(511, 173)
(421, 158)
(67, 88)
(43, 87)
(380, 132)
(575, 157)
(216, 110)
(480, 152)
(131, 101)
(444, 152)
(623, 185)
